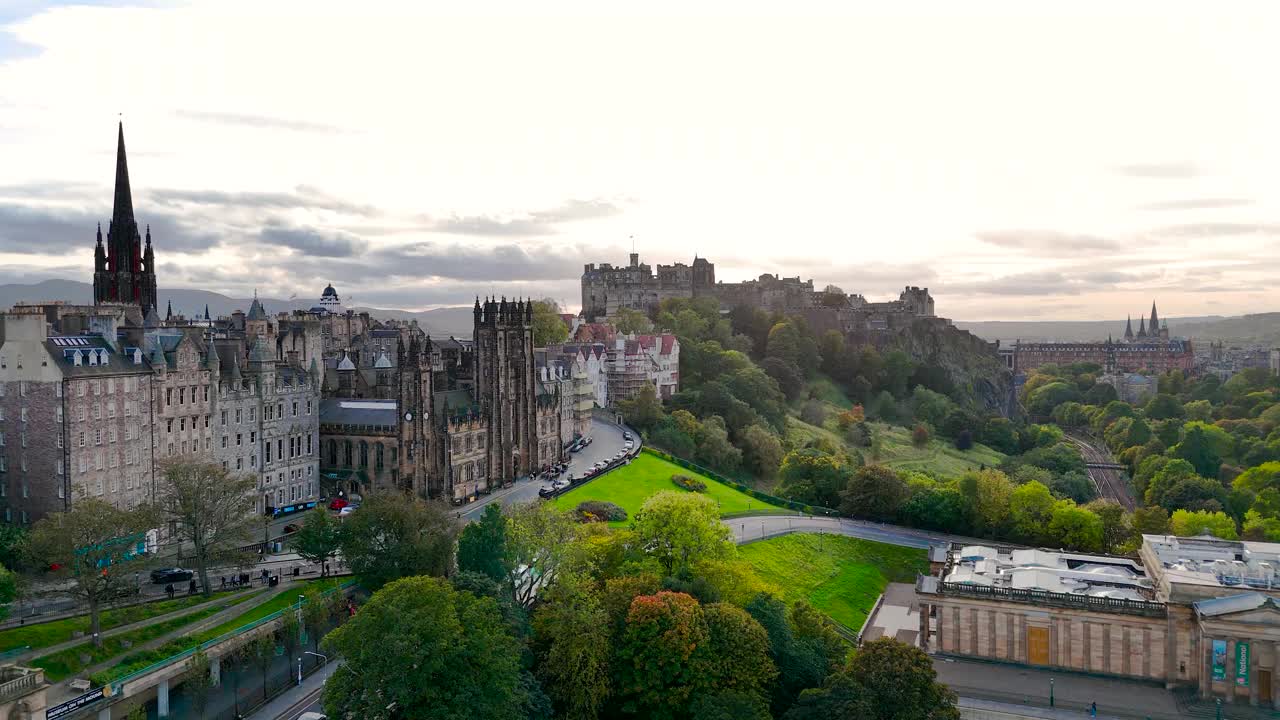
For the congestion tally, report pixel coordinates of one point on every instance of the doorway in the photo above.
(1264, 687)
(1038, 645)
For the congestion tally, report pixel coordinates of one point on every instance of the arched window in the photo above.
(377, 457)
(346, 455)
(364, 454)
(333, 452)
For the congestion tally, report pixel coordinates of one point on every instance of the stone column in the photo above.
(941, 642)
(1253, 674)
(1230, 670)
(1206, 666)
(924, 626)
(1054, 658)
(162, 699)
(1275, 676)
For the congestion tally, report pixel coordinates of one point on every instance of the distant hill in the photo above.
(441, 322)
(1259, 329)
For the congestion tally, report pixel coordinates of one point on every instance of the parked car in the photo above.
(313, 716)
(170, 575)
(338, 503)
(347, 510)
(626, 436)
(546, 492)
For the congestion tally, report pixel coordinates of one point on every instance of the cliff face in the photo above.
(969, 362)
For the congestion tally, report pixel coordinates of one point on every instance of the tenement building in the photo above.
(1195, 612)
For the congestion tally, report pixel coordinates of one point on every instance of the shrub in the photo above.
(688, 483)
(920, 436)
(964, 440)
(599, 511)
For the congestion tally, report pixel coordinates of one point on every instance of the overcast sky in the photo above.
(1021, 166)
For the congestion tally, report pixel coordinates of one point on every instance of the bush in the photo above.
(964, 440)
(920, 436)
(599, 511)
(688, 483)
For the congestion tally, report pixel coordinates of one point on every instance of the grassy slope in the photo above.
(841, 576)
(939, 457)
(57, 631)
(629, 486)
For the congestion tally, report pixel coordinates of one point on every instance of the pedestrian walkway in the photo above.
(293, 702)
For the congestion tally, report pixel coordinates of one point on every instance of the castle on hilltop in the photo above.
(606, 289)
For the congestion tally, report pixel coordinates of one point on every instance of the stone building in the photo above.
(1193, 612)
(607, 289)
(75, 419)
(123, 271)
(1153, 356)
(505, 385)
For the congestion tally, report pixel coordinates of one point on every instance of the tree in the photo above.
(920, 436)
(1188, 523)
(572, 626)
(1163, 407)
(874, 492)
(1115, 526)
(211, 509)
(679, 527)
(714, 448)
(900, 682)
(762, 451)
(421, 650)
(8, 590)
(656, 668)
(988, 492)
(1030, 510)
(644, 410)
(814, 477)
(198, 681)
(631, 322)
(261, 652)
(538, 539)
(1074, 485)
(937, 508)
(96, 545)
(801, 662)
(728, 705)
(317, 608)
(736, 654)
(1150, 520)
(318, 539)
(839, 698)
(548, 327)
(394, 536)
(1198, 449)
(787, 374)
(1076, 528)
(482, 547)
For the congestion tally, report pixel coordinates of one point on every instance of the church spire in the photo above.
(122, 212)
(1128, 327)
(1155, 320)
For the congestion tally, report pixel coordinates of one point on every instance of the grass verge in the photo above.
(630, 485)
(42, 635)
(65, 663)
(840, 576)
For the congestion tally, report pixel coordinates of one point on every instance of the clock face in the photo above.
(408, 417)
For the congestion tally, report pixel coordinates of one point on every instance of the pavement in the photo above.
(302, 698)
(760, 527)
(607, 441)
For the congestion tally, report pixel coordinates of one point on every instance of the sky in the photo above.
(1020, 164)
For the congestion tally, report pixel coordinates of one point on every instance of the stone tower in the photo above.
(415, 394)
(124, 271)
(505, 385)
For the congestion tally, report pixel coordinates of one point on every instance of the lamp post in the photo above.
(1050, 692)
(299, 669)
(324, 659)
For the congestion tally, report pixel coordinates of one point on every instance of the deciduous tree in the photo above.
(319, 538)
(875, 492)
(572, 627)
(677, 528)
(394, 536)
(538, 539)
(420, 650)
(482, 547)
(211, 509)
(656, 667)
(548, 326)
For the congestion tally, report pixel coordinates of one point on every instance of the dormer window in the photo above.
(77, 358)
(137, 356)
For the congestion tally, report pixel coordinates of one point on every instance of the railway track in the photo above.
(1102, 468)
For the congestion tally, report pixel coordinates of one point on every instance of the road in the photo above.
(607, 442)
(1111, 483)
(756, 527)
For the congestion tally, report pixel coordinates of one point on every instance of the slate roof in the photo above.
(107, 361)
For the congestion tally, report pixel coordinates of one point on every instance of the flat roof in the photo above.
(1054, 571)
(1209, 561)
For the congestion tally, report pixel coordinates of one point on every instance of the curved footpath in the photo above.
(750, 528)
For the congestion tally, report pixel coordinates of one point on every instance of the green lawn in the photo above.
(940, 457)
(136, 661)
(629, 486)
(841, 576)
(65, 663)
(51, 633)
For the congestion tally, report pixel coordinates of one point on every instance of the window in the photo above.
(59, 436)
(182, 396)
(22, 414)
(346, 456)
(57, 390)
(80, 388)
(97, 411)
(169, 425)
(280, 410)
(80, 412)
(377, 456)
(22, 438)
(239, 463)
(182, 424)
(224, 442)
(266, 457)
(169, 449)
(279, 448)
(1, 438)
(253, 436)
(253, 414)
(57, 413)
(308, 407)
(82, 439)
(97, 437)
(253, 461)
(111, 435)
(295, 409)
(237, 416)
(333, 452)
(111, 386)
(206, 393)
(308, 444)
(239, 440)
(168, 396)
(364, 454)
(224, 417)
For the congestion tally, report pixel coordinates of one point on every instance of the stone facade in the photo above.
(505, 385)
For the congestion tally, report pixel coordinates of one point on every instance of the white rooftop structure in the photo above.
(1050, 571)
(1212, 562)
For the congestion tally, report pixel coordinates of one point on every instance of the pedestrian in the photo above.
(168, 590)
(191, 589)
(224, 582)
(1093, 709)
(265, 575)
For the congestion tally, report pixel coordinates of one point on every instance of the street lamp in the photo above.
(324, 659)
(299, 670)
(1050, 692)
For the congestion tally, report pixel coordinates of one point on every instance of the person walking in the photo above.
(168, 590)
(191, 589)
(1093, 709)
(224, 582)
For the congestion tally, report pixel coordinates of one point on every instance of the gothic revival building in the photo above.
(124, 271)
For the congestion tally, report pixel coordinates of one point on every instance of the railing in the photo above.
(1052, 599)
(22, 685)
(119, 683)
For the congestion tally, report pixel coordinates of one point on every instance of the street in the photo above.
(607, 442)
(757, 527)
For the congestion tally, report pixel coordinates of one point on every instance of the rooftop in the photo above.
(336, 411)
(1209, 561)
(1050, 571)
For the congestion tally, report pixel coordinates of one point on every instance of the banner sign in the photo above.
(1242, 664)
(68, 707)
(1219, 659)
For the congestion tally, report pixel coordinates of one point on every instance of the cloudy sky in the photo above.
(1022, 166)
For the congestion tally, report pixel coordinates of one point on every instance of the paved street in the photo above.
(299, 699)
(607, 442)
(756, 527)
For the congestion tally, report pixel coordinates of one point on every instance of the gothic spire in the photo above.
(123, 209)
(169, 313)
(1155, 319)
(1128, 327)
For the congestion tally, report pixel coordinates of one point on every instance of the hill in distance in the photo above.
(440, 322)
